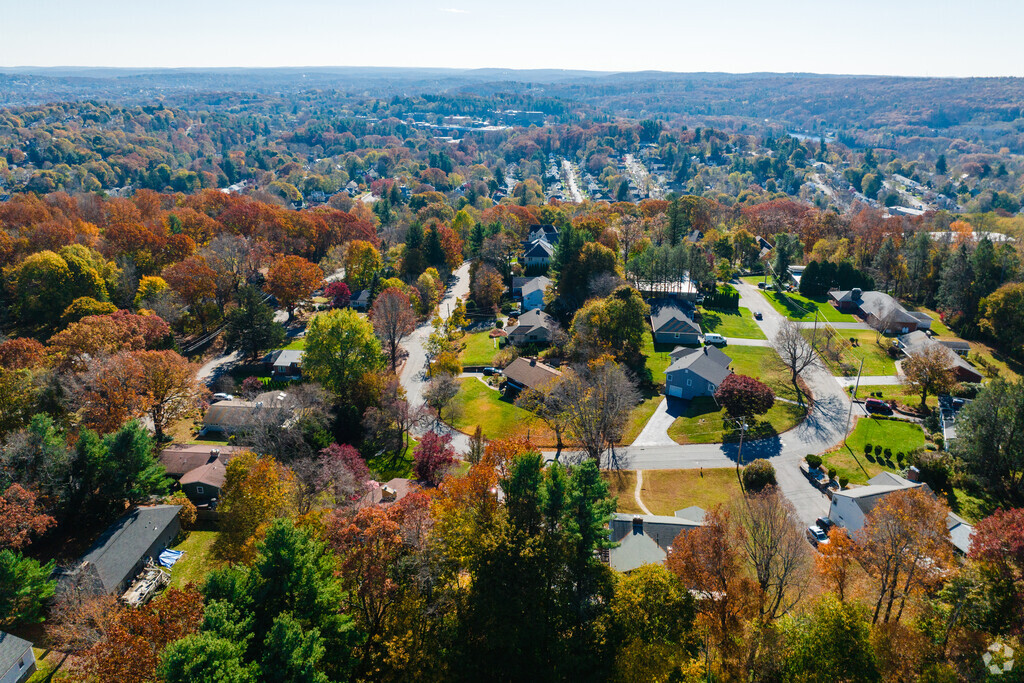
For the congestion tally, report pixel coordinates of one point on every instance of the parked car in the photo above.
(873, 405)
(825, 524)
(491, 371)
(712, 338)
(761, 285)
(220, 396)
(816, 536)
(757, 315)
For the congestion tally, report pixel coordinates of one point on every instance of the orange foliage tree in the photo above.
(292, 279)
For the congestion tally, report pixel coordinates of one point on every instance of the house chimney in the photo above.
(913, 474)
(214, 454)
(638, 525)
(856, 293)
(705, 350)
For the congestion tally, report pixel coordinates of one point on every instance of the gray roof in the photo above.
(878, 304)
(284, 357)
(668, 316)
(362, 296)
(12, 648)
(531, 320)
(122, 545)
(645, 539)
(960, 532)
(239, 413)
(703, 362)
(917, 341)
(533, 284)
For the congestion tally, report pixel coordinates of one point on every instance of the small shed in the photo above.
(17, 660)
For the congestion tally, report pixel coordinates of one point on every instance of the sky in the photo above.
(893, 37)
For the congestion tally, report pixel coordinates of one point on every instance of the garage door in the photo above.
(675, 391)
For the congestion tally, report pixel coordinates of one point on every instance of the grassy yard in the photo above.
(846, 361)
(764, 364)
(478, 404)
(798, 307)
(894, 392)
(479, 349)
(998, 364)
(938, 327)
(754, 279)
(639, 417)
(387, 467)
(665, 491)
(197, 561)
(658, 358)
(738, 323)
(896, 435)
(297, 344)
(621, 484)
(704, 422)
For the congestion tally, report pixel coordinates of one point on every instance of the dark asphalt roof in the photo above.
(122, 545)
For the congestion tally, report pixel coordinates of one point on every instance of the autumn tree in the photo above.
(251, 327)
(831, 643)
(797, 355)
(904, 547)
(835, 559)
(362, 264)
(21, 353)
(439, 395)
(23, 517)
(340, 348)
(596, 400)
(170, 387)
(389, 423)
(255, 492)
(334, 478)
(487, 287)
(339, 294)
(1002, 315)
(433, 457)
(193, 280)
(743, 396)
(929, 371)
(393, 320)
(292, 279)
(114, 392)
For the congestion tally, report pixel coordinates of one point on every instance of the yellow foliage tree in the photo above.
(256, 491)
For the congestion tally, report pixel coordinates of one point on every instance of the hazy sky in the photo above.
(904, 37)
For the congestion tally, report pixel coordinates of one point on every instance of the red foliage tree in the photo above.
(432, 457)
(21, 353)
(339, 294)
(21, 517)
(744, 396)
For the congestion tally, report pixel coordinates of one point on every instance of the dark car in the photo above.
(825, 524)
(761, 285)
(757, 315)
(491, 371)
(873, 405)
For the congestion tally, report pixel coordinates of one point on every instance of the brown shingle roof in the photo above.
(178, 458)
(531, 373)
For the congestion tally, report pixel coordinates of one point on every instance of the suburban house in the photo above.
(850, 507)
(538, 253)
(547, 232)
(917, 342)
(683, 289)
(17, 660)
(646, 539)
(880, 310)
(120, 553)
(236, 415)
(531, 291)
(533, 327)
(385, 494)
(672, 322)
(529, 373)
(180, 459)
(360, 300)
(200, 471)
(284, 362)
(696, 372)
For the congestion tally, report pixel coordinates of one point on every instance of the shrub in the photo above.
(867, 449)
(813, 461)
(499, 324)
(878, 451)
(843, 481)
(940, 442)
(888, 453)
(832, 472)
(757, 475)
(900, 457)
(931, 423)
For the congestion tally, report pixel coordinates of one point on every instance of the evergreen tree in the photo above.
(251, 327)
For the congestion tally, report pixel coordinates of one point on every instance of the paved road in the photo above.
(414, 372)
(570, 176)
(823, 428)
(868, 380)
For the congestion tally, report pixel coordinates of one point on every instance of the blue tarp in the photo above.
(169, 557)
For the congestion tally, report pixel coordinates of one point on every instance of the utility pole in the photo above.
(856, 387)
(743, 430)
(814, 335)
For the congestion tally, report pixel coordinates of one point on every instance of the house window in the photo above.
(711, 387)
(199, 489)
(689, 382)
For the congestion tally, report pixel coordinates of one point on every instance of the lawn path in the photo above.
(636, 492)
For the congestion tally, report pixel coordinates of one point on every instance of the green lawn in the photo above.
(896, 435)
(639, 417)
(843, 358)
(621, 484)
(658, 358)
(704, 422)
(386, 467)
(992, 363)
(665, 491)
(478, 404)
(938, 327)
(479, 349)
(797, 307)
(762, 363)
(739, 323)
(299, 343)
(894, 392)
(754, 279)
(197, 561)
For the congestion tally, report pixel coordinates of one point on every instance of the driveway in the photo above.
(655, 432)
(212, 369)
(868, 380)
(740, 341)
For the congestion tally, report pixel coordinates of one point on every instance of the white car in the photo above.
(220, 396)
(712, 338)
